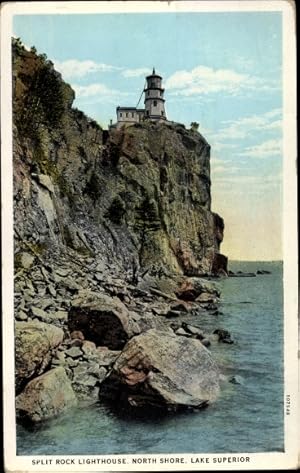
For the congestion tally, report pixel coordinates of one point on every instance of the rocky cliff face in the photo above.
(136, 196)
(109, 228)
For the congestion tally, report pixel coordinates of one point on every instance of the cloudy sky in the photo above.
(222, 70)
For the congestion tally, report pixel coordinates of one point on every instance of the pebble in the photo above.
(61, 315)
(45, 303)
(182, 332)
(74, 352)
(88, 348)
(52, 290)
(39, 313)
(62, 272)
(72, 363)
(20, 315)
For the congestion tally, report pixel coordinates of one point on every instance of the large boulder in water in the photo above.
(46, 396)
(161, 369)
(35, 343)
(191, 289)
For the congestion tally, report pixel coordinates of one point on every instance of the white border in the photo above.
(287, 459)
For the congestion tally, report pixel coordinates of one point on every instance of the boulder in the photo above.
(106, 357)
(193, 330)
(26, 259)
(46, 396)
(161, 369)
(223, 336)
(206, 297)
(191, 288)
(35, 343)
(102, 319)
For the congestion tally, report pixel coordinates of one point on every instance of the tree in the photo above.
(194, 126)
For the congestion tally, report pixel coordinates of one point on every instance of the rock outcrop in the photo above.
(164, 370)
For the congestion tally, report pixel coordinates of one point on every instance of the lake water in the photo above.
(248, 417)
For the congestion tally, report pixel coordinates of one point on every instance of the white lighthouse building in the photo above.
(154, 104)
(154, 98)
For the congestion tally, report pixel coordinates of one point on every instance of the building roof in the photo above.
(131, 108)
(126, 108)
(154, 74)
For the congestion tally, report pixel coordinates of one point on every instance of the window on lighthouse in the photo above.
(154, 103)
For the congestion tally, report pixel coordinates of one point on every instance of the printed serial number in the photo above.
(288, 404)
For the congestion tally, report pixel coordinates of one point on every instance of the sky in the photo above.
(221, 70)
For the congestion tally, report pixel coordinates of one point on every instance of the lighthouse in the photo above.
(154, 98)
(154, 105)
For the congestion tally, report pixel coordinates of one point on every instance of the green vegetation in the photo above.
(194, 126)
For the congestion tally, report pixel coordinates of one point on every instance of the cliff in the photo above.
(112, 230)
(139, 195)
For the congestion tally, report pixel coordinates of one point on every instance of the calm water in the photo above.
(248, 417)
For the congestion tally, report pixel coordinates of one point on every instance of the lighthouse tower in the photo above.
(154, 98)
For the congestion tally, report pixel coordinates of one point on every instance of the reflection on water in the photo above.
(248, 417)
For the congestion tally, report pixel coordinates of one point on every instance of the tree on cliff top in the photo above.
(194, 126)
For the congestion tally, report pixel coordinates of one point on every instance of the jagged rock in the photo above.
(236, 379)
(182, 332)
(26, 260)
(59, 358)
(71, 362)
(160, 308)
(77, 334)
(34, 344)
(52, 290)
(63, 272)
(102, 319)
(172, 314)
(87, 390)
(193, 330)
(181, 306)
(75, 342)
(99, 277)
(45, 303)
(70, 284)
(146, 321)
(61, 315)
(45, 274)
(74, 352)
(192, 289)
(88, 348)
(46, 396)
(206, 342)
(162, 369)
(40, 314)
(46, 181)
(106, 357)
(20, 315)
(223, 335)
(205, 297)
